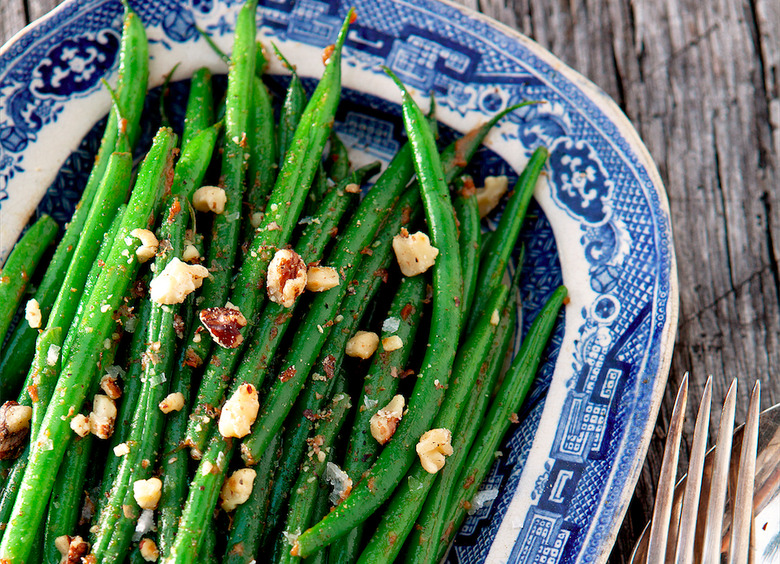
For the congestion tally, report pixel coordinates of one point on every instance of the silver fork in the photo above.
(680, 550)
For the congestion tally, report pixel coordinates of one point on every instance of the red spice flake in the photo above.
(462, 145)
(353, 17)
(366, 251)
(513, 418)
(101, 263)
(466, 505)
(87, 510)
(457, 301)
(371, 484)
(406, 216)
(33, 391)
(393, 537)
(329, 366)
(139, 289)
(566, 300)
(178, 325)
(326, 53)
(334, 231)
(175, 209)
(287, 374)
(224, 324)
(469, 482)
(382, 273)
(448, 530)
(428, 294)
(468, 188)
(405, 373)
(310, 415)
(406, 311)
(192, 359)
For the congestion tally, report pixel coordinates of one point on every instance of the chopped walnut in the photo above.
(102, 417)
(224, 324)
(108, 383)
(362, 345)
(147, 492)
(80, 425)
(72, 549)
(286, 277)
(321, 278)
(121, 449)
(190, 254)
(352, 188)
(239, 412)
(14, 428)
(392, 343)
(149, 244)
(32, 313)
(172, 402)
(177, 280)
(489, 196)
(237, 488)
(385, 421)
(341, 482)
(414, 252)
(494, 318)
(209, 199)
(148, 550)
(432, 449)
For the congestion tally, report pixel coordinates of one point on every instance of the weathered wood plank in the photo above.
(37, 8)
(12, 18)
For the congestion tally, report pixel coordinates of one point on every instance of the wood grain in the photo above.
(700, 82)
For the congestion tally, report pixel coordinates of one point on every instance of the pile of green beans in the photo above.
(322, 487)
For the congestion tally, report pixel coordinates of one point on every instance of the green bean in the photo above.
(470, 365)
(94, 273)
(250, 517)
(193, 162)
(262, 157)
(379, 387)
(226, 227)
(131, 90)
(467, 212)
(81, 367)
(45, 371)
(292, 108)
(64, 506)
(338, 159)
(398, 455)
(199, 113)
(420, 540)
(20, 265)
(223, 360)
(304, 493)
(509, 399)
(496, 256)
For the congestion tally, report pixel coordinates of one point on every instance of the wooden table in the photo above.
(701, 83)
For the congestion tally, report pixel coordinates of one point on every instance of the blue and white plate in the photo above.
(602, 224)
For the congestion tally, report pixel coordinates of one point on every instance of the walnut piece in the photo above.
(239, 412)
(102, 417)
(80, 425)
(148, 550)
(489, 196)
(32, 313)
(385, 421)
(177, 280)
(237, 489)
(414, 252)
(494, 317)
(147, 493)
(14, 428)
(172, 402)
(72, 549)
(108, 383)
(224, 324)
(209, 199)
(362, 345)
(321, 278)
(286, 277)
(432, 449)
(392, 343)
(190, 254)
(149, 244)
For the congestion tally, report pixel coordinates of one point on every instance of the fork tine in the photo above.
(743, 498)
(719, 481)
(659, 529)
(690, 506)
